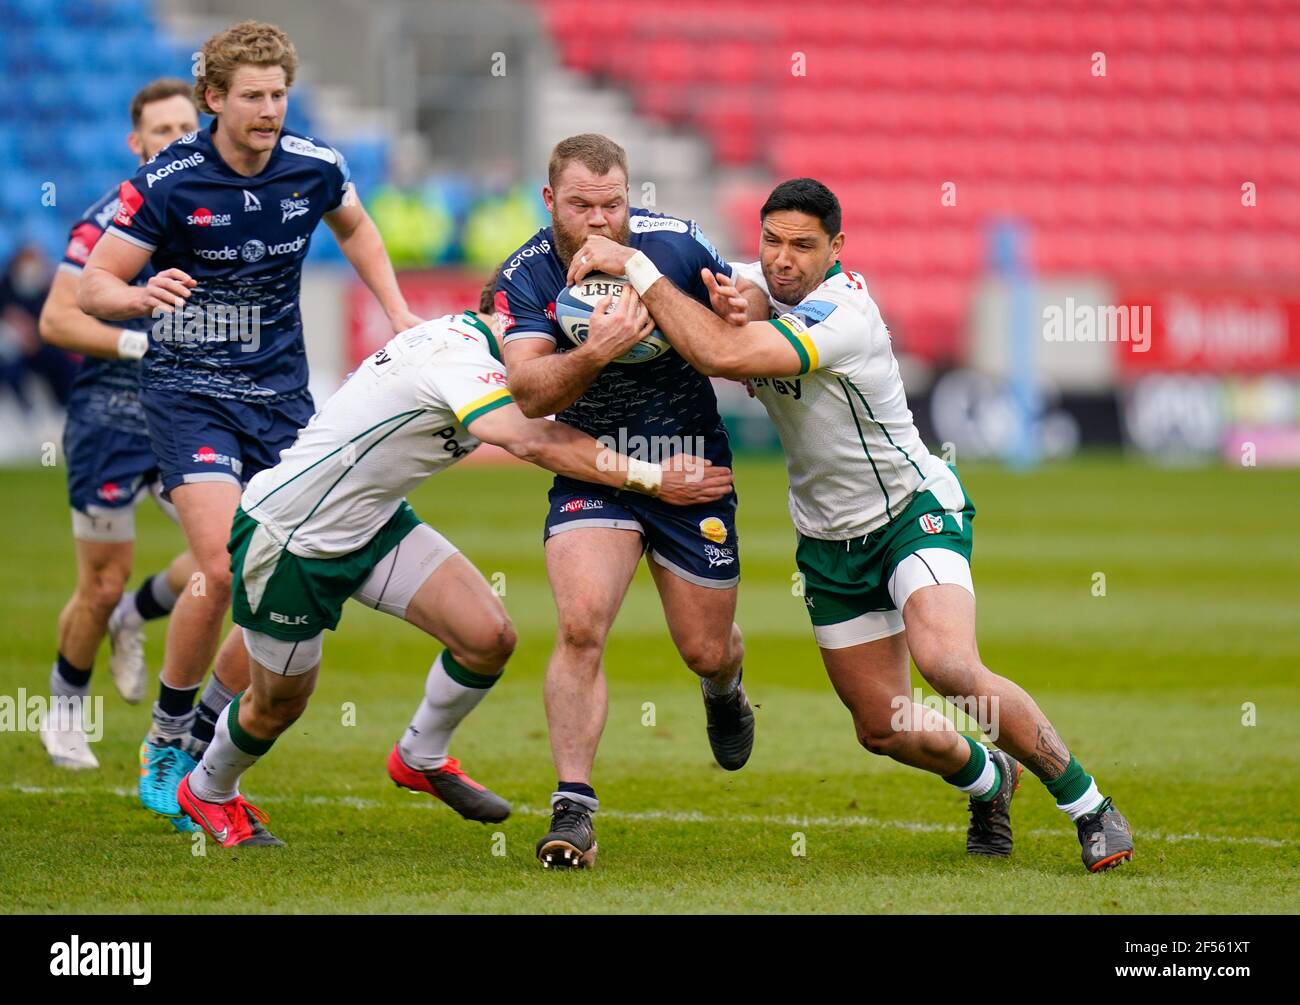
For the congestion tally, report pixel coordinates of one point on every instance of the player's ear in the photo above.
(837, 244)
(133, 143)
(548, 197)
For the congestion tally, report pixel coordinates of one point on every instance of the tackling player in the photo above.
(226, 215)
(330, 521)
(110, 464)
(884, 526)
(595, 535)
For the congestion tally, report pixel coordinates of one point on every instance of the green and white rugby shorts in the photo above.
(285, 602)
(855, 590)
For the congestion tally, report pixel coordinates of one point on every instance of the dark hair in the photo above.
(488, 295)
(806, 195)
(157, 90)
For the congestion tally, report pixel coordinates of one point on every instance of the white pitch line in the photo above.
(693, 817)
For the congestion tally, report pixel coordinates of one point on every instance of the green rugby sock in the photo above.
(233, 751)
(980, 776)
(1072, 784)
(1075, 791)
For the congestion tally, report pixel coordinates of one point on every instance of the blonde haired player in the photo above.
(227, 215)
(330, 521)
(884, 526)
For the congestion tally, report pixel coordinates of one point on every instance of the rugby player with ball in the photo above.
(884, 526)
(629, 389)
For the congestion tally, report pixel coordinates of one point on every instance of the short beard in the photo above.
(800, 294)
(567, 242)
(781, 297)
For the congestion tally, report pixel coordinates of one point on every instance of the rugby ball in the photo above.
(574, 306)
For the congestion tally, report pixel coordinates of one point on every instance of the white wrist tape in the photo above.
(641, 272)
(642, 476)
(132, 344)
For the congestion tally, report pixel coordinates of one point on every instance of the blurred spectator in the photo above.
(23, 289)
(452, 220)
(444, 217)
(417, 227)
(416, 230)
(497, 226)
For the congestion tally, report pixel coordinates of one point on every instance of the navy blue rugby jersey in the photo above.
(244, 240)
(662, 397)
(105, 391)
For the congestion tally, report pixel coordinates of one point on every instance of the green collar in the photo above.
(494, 347)
(834, 270)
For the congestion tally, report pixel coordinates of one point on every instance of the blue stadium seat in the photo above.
(12, 99)
(68, 71)
(114, 13)
(36, 13)
(65, 51)
(24, 50)
(21, 193)
(49, 231)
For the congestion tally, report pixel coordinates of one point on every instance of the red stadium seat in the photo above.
(1138, 172)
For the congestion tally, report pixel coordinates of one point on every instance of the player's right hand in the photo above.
(688, 480)
(168, 290)
(725, 298)
(614, 333)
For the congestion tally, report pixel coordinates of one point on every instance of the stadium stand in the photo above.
(68, 70)
(1135, 173)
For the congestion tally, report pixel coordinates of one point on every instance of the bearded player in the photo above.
(884, 526)
(595, 535)
(110, 462)
(226, 215)
(330, 521)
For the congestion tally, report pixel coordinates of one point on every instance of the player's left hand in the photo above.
(402, 320)
(599, 254)
(725, 299)
(689, 480)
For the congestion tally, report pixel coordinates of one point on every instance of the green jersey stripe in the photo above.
(478, 324)
(336, 450)
(872, 416)
(848, 398)
(805, 363)
(347, 470)
(483, 410)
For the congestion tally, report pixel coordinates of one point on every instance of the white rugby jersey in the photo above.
(853, 455)
(399, 418)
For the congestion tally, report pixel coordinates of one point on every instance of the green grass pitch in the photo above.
(1147, 684)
